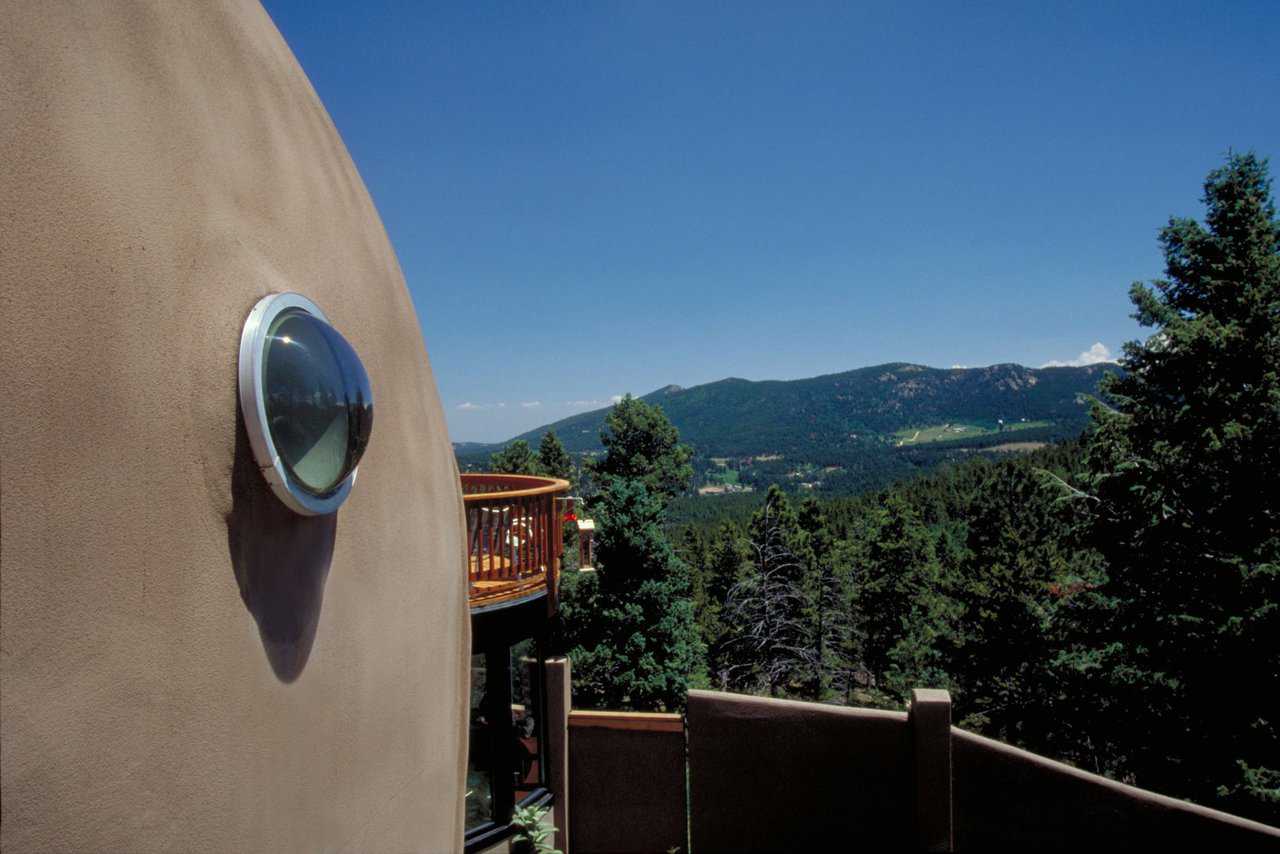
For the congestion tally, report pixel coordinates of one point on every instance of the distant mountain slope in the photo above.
(833, 414)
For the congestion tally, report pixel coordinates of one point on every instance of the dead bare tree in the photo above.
(769, 608)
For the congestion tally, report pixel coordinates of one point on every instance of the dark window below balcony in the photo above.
(506, 764)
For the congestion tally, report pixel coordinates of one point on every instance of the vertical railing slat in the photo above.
(524, 538)
(542, 533)
(510, 539)
(530, 562)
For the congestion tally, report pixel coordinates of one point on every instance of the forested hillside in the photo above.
(952, 580)
(846, 432)
(736, 417)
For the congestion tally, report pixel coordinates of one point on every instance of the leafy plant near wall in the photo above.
(532, 833)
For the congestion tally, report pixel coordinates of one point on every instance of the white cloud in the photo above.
(594, 403)
(961, 367)
(468, 406)
(531, 404)
(1096, 354)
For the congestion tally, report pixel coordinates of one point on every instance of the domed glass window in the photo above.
(307, 403)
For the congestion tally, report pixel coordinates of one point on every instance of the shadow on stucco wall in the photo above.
(281, 561)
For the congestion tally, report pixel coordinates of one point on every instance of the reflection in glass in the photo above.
(479, 782)
(318, 402)
(525, 705)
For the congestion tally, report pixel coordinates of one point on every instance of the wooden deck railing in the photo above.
(514, 535)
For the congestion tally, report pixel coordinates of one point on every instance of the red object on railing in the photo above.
(514, 540)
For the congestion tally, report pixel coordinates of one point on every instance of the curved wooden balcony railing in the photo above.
(514, 535)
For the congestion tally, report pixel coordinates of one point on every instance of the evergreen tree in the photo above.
(1184, 506)
(727, 564)
(516, 458)
(553, 459)
(1018, 563)
(629, 627)
(641, 443)
(901, 609)
(694, 554)
(830, 633)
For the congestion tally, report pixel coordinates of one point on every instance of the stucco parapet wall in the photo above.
(749, 707)
(627, 782)
(783, 775)
(929, 716)
(1011, 776)
(768, 774)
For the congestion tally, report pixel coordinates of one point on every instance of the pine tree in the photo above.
(641, 443)
(1184, 506)
(553, 459)
(1018, 564)
(901, 609)
(516, 458)
(727, 564)
(694, 553)
(830, 633)
(629, 627)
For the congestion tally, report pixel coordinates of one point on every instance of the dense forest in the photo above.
(1112, 601)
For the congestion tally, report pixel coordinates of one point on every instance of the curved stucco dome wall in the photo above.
(187, 665)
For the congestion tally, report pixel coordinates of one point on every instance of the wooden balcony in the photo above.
(514, 536)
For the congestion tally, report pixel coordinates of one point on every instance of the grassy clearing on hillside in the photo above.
(723, 476)
(957, 430)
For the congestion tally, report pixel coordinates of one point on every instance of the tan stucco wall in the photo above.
(1010, 799)
(185, 664)
(626, 788)
(781, 775)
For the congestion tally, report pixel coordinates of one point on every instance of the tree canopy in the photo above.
(1184, 507)
(629, 626)
(553, 459)
(516, 458)
(640, 443)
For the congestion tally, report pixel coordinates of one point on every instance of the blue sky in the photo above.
(591, 199)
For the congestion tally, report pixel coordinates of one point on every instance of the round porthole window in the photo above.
(306, 400)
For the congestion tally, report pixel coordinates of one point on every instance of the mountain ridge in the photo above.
(734, 415)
